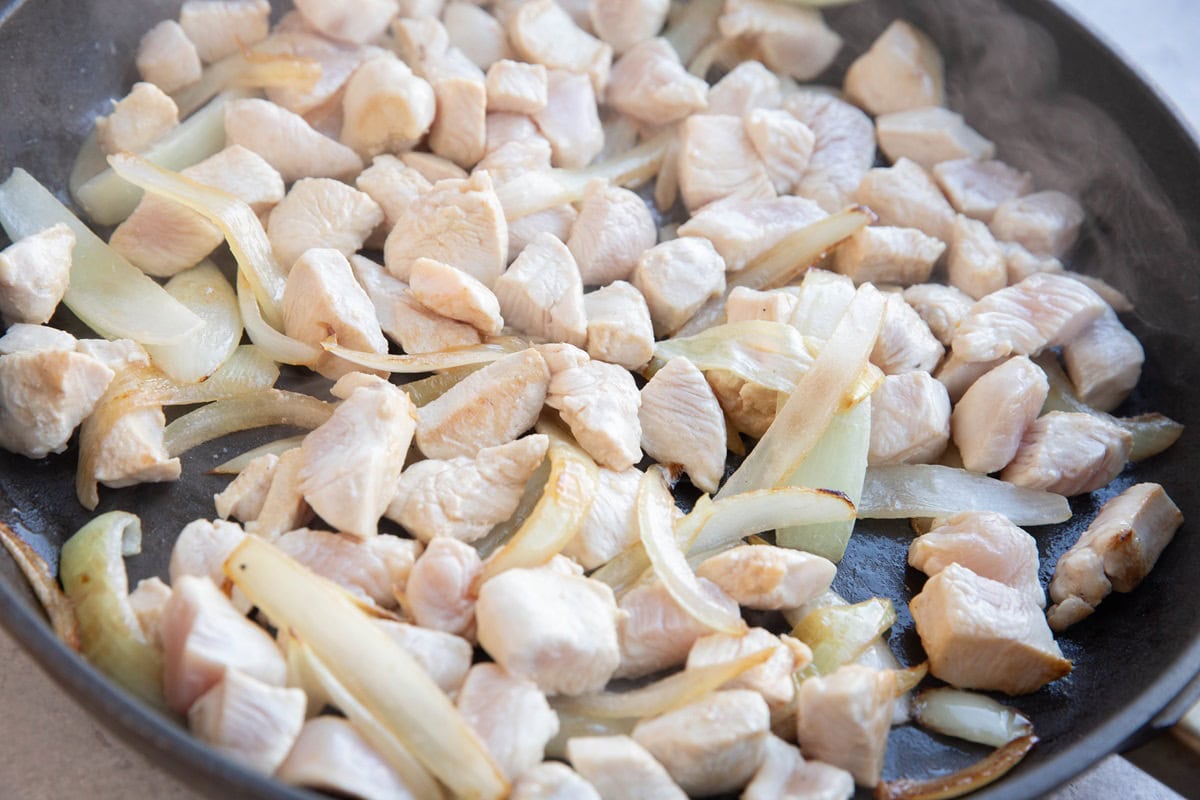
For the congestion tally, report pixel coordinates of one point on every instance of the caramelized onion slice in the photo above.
(995, 766)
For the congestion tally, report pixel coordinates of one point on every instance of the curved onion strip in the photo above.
(929, 490)
(238, 463)
(969, 715)
(819, 394)
(663, 695)
(374, 670)
(728, 520)
(995, 766)
(92, 569)
(246, 370)
(783, 261)
(90, 161)
(770, 354)
(55, 602)
(207, 294)
(502, 532)
(279, 346)
(693, 25)
(247, 240)
(654, 509)
(110, 295)
(426, 390)
(255, 410)
(421, 362)
(839, 634)
(252, 70)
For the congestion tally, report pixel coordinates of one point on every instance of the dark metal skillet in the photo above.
(1055, 100)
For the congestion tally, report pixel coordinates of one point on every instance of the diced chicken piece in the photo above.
(905, 195)
(598, 402)
(116, 354)
(624, 24)
(650, 84)
(433, 167)
(743, 229)
(1044, 310)
(552, 780)
(503, 128)
(905, 342)
(619, 329)
(1069, 453)
(330, 755)
(750, 407)
(512, 160)
(245, 495)
(1115, 298)
(416, 328)
(976, 262)
(322, 299)
(444, 656)
(167, 58)
(942, 308)
(784, 143)
(981, 634)
(200, 550)
(220, 28)
(682, 423)
(375, 569)
(910, 419)
(204, 636)
(1104, 362)
(978, 188)
(710, 746)
(541, 32)
(611, 524)
(556, 222)
(1019, 263)
(284, 507)
(791, 40)
(843, 719)
(993, 415)
(929, 136)
(476, 33)
(957, 374)
(440, 593)
(453, 293)
(424, 44)
(717, 159)
(287, 142)
(321, 213)
(385, 108)
(621, 769)
(613, 229)
(882, 254)
(745, 304)
(457, 222)
(766, 577)
(772, 679)
(516, 87)
(843, 150)
(459, 131)
(676, 278)
(251, 722)
(1045, 223)
(138, 120)
(985, 543)
(395, 186)
(511, 716)
(133, 451)
(148, 600)
(785, 774)
(464, 498)
(560, 631)
(338, 62)
(23, 337)
(570, 120)
(902, 70)
(655, 633)
(541, 294)
(35, 273)
(744, 88)
(357, 21)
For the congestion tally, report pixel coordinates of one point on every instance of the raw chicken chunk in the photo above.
(905, 342)
(284, 507)
(649, 83)
(375, 569)
(395, 186)
(511, 716)
(882, 254)
(552, 780)
(744, 88)
(613, 229)
(976, 262)
(843, 719)
(929, 136)
(717, 159)
(541, 294)
(791, 40)
(516, 87)
(981, 634)
(453, 293)
(610, 525)
(766, 577)
(676, 278)
(556, 221)
(167, 58)
(843, 150)
(385, 107)
(1069, 453)
(598, 402)
(542, 33)
(772, 679)
(34, 275)
(433, 168)
(910, 419)
(440, 593)
(44, 395)
(942, 308)
(619, 329)
(621, 769)
(570, 121)
(287, 142)
(992, 416)
(414, 327)
(1104, 362)
(985, 543)
(905, 195)
(978, 188)
(655, 633)
(743, 229)
(476, 33)
(338, 62)
(785, 774)
(459, 131)
(201, 549)
(744, 305)
(683, 424)
(784, 143)
(250, 722)
(444, 656)
(148, 600)
(624, 24)
(320, 212)
(220, 28)
(330, 755)
(357, 21)
(23, 337)
(902, 70)
(1044, 223)
(245, 495)
(137, 121)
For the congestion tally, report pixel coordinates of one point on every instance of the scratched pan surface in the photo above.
(1057, 103)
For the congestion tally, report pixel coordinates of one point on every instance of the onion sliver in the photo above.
(255, 410)
(993, 767)
(969, 715)
(207, 294)
(372, 668)
(252, 70)
(727, 521)
(770, 354)
(420, 362)
(929, 490)
(55, 602)
(424, 391)
(279, 346)
(694, 24)
(246, 370)
(502, 532)
(238, 463)
(112, 297)
(838, 635)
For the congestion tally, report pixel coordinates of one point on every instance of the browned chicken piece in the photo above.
(522, 626)
(1069, 453)
(322, 299)
(613, 229)
(711, 746)
(516, 87)
(1116, 552)
(790, 40)
(975, 262)
(621, 769)
(718, 160)
(774, 305)
(929, 136)
(598, 402)
(490, 407)
(1044, 223)
(284, 507)
(1044, 310)
(446, 658)
(556, 222)
(374, 569)
(843, 150)
(772, 679)
(902, 70)
(882, 254)
(992, 416)
(148, 600)
(243, 498)
(200, 550)
(35, 272)
(248, 721)
(510, 715)
(137, 120)
(957, 374)
(542, 33)
(385, 108)
(655, 632)
(742, 229)
(459, 131)
(682, 423)
(767, 577)
(650, 84)
(463, 498)
(905, 342)
(978, 188)
(552, 780)
(843, 719)
(433, 168)
(910, 419)
(610, 526)
(942, 308)
(624, 24)
(744, 88)
(541, 294)
(167, 58)
(287, 142)
(394, 186)
(570, 120)
(330, 755)
(133, 451)
(321, 213)
(220, 28)
(905, 195)
(619, 329)
(677, 278)
(982, 634)
(1104, 362)
(476, 33)
(356, 21)
(440, 592)
(458, 222)
(986, 543)
(1019, 263)
(453, 293)
(785, 775)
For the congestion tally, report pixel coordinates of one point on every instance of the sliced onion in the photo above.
(929, 490)
(995, 766)
(693, 26)
(206, 293)
(502, 532)
(421, 362)
(727, 521)
(279, 346)
(426, 390)
(254, 410)
(770, 354)
(236, 464)
(246, 370)
(971, 716)
(837, 635)
(57, 605)
(111, 296)
(251, 70)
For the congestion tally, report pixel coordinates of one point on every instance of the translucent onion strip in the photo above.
(238, 463)
(421, 362)
(251, 70)
(424, 391)
(207, 294)
(770, 354)
(112, 297)
(279, 346)
(254, 410)
(929, 490)
(246, 370)
(499, 535)
(971, 716)
(57, 605)
(727, 521)
(692, 25)
(839, 634)
(982, 773)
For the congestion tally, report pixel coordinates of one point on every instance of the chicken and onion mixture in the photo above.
(560, 261)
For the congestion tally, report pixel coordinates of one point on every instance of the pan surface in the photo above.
(1056, 102)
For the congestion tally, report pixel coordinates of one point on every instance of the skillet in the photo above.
(1055, 100)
